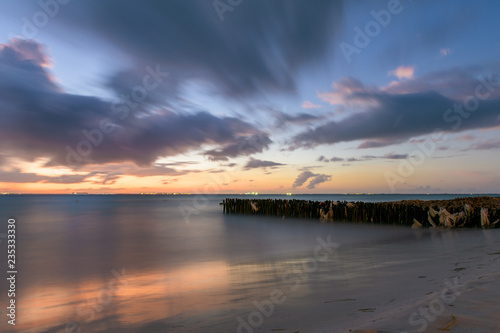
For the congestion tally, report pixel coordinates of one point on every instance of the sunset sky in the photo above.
(233, 96)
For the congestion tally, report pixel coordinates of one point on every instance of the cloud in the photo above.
(310, 105)
(157, 170)
(27, 51)
(388, 156)
(454, 83)
(392, 156)
(17, 176)
(444, 51)
(232, 55)
(302, 178)
(426, 189)
(318, 180)
(403, 72)
(487, 145)
(22, 68)
(306, 175)
(465, 137)
(344, 91)
(282, 119)
(244, 146)
(254, 164)
(391, 117)
(109, 178)
(68, 128)
(178, 163)
(378, 143)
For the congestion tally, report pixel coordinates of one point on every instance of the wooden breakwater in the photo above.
(475, 212)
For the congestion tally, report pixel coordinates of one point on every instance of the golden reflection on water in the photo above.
(134, 297)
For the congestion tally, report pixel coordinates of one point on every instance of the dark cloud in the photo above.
(254, 164)
(259, 46)
(393, 156)
(22, 68)
(390, 156)
(128, 82)
(318, 180)
(157, 170)
(27, 51)
(379, 143)
(242, 146)
(283, 118)
(302, 178)
(38, 120)
(306, 175)
(179, 163)
(397, 117)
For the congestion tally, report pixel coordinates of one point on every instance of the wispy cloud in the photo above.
(388, 156)
(18, 176)
(487, 145)
(255, 163)
(310, 105)
(444, 51)
(231, 49)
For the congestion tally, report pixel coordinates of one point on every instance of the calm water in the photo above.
(177, 264)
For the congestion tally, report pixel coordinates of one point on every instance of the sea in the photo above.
(177, 263)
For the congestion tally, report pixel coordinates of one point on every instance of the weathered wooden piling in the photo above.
(474, 212)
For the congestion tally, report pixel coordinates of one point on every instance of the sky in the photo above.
(235, 96)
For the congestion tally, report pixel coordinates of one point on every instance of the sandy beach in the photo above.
(471, 307)
(443, 280)
(456, 292)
